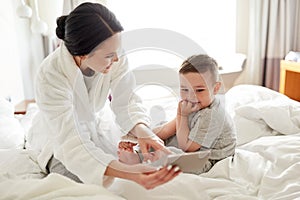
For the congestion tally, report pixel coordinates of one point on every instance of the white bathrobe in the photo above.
(66, 124)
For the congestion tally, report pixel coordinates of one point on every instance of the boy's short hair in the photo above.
(200, 64)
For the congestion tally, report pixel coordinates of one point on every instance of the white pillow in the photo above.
(241, 95)
(11, 132)
(258, 111)
(6, 108)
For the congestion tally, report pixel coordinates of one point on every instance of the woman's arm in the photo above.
(126, 104)
(148, 180)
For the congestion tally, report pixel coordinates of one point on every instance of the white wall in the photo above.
(22, 51)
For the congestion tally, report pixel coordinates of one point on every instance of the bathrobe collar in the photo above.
(75, 76)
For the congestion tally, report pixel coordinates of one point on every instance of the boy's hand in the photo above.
(186, 107)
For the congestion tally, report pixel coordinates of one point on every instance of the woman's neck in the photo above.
(87, 71)
(84, 69)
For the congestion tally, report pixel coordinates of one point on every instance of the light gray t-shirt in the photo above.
(213, 129)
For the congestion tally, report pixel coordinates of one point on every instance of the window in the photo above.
(210, 23)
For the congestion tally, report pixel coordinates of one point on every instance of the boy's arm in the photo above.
(182, 135)
(182, 128)
(166, 130)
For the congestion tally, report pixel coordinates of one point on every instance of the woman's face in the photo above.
(102, 58)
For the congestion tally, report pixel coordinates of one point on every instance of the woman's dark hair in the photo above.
(86, 26)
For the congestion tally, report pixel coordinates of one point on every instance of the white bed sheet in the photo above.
(266, 164)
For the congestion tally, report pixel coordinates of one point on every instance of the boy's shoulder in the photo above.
(215, 111)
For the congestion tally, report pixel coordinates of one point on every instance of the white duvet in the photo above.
(266, 164)
(267, 168)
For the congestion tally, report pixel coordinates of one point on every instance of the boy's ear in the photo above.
(217, 87)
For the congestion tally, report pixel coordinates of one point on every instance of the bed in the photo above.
(266, 164)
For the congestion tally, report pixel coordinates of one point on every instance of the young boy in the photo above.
(201, 122)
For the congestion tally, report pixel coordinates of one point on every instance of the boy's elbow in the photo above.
(183, 146)
(189, 146)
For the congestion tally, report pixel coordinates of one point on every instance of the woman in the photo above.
(73, 84)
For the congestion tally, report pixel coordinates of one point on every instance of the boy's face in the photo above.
(197, 88)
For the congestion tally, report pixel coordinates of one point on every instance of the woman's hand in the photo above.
(156, 178)
(149, 142)
(147, 139)
(145, 175)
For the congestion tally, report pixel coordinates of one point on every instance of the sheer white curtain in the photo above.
(21, 50)
(11, 85)
(273, 31)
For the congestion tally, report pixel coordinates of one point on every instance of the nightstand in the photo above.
(290, 79)
(21, 107)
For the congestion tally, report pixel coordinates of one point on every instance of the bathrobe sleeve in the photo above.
(126, 104)
(71, 140)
